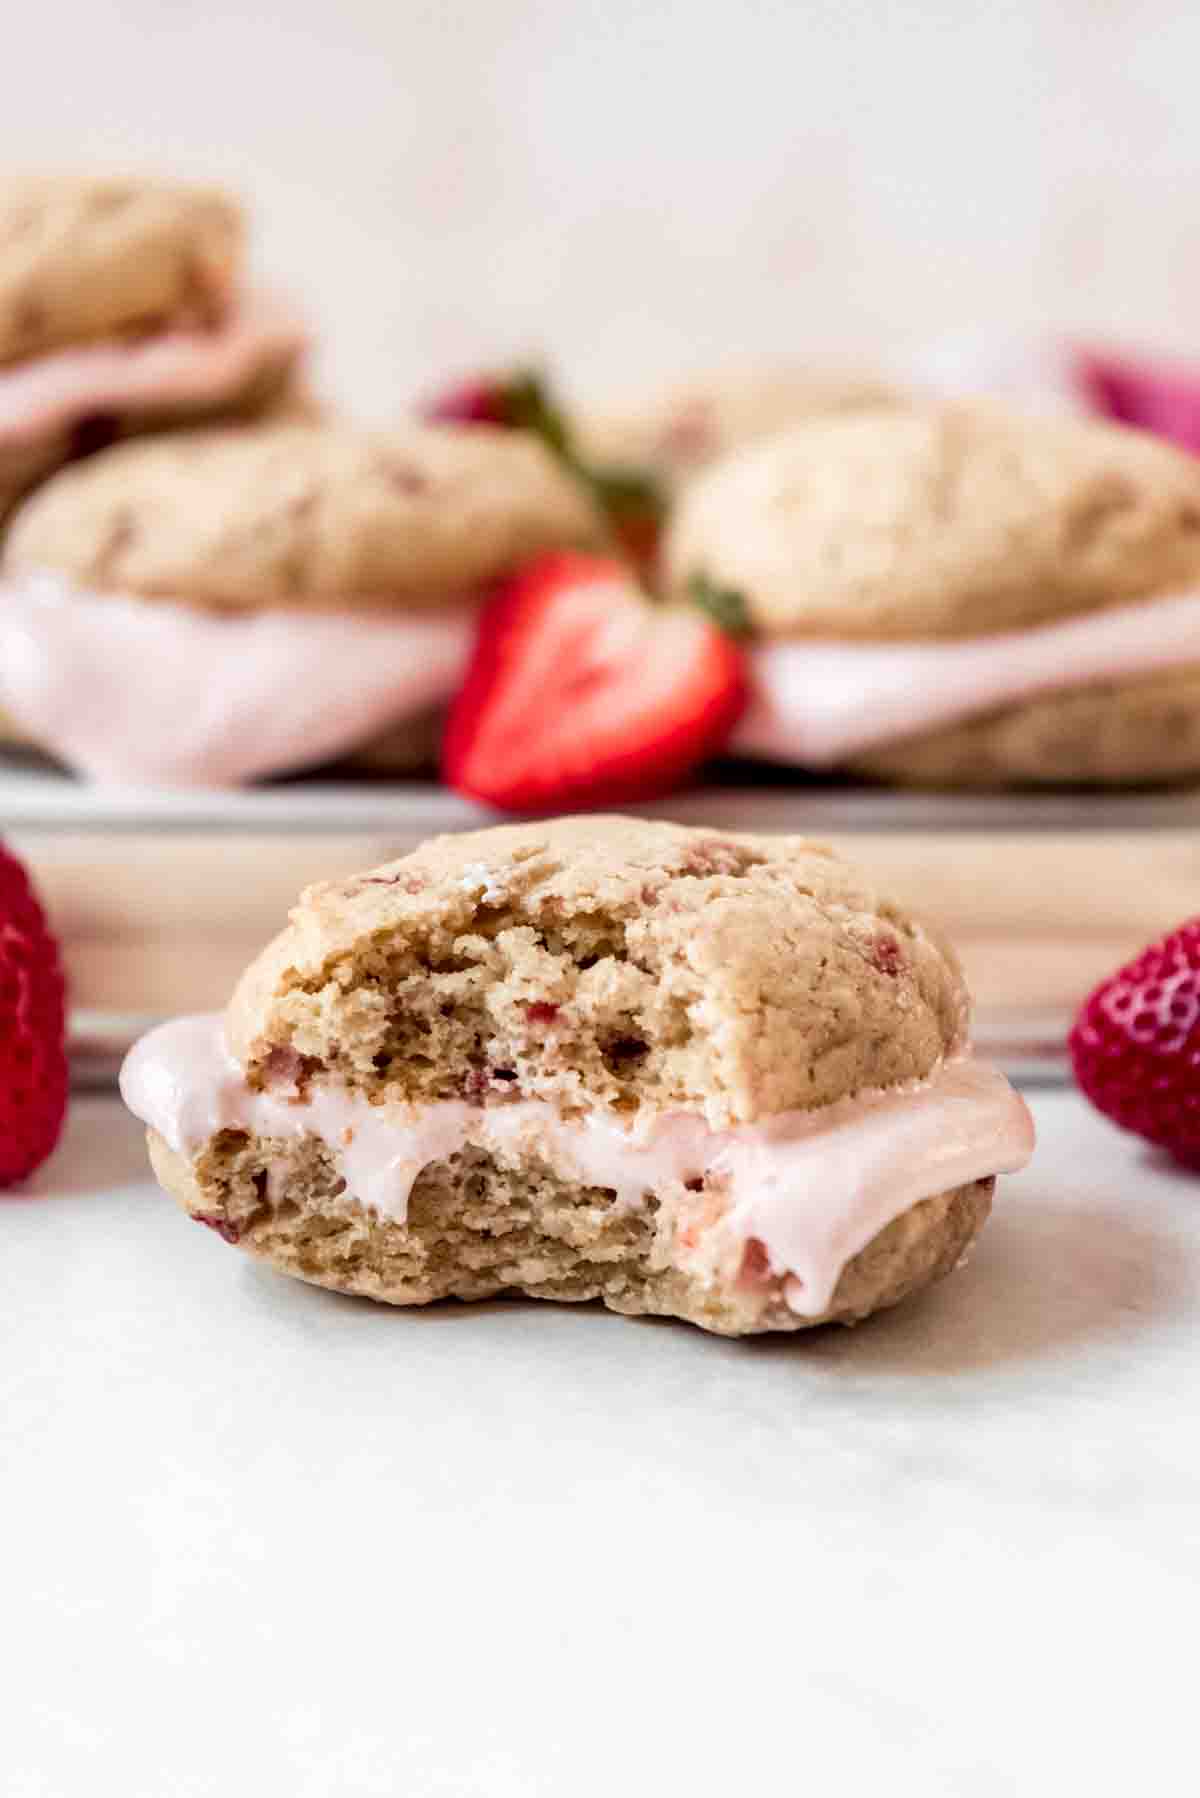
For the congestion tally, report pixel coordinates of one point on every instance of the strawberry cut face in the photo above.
(580, 692)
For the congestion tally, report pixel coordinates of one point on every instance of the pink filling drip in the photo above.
(818, 703)
(811, 1188)
(192, 369)
(154, 693)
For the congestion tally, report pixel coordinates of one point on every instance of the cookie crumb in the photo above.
(714, 855)
(480, 879)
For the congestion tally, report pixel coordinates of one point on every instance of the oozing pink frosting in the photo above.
(193, 369)
(156, 693)
(819, 703)
(813, 1188)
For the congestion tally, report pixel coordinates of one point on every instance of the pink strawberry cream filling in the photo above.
(816, 703)
(186, 369)
(809, 1188)
(150, 693)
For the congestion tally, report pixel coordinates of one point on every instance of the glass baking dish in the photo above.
(162, 898)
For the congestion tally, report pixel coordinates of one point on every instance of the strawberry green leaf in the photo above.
(724, 605)
(627, 492)
(529, 405)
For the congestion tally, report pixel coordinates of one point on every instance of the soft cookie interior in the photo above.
(476, 1229)
(562, 1060)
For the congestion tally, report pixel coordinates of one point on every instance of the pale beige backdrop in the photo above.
(631, 183)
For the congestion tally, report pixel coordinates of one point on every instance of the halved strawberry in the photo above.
(581, 692)
(1156, 396)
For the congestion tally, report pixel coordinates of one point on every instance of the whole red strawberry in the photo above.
(1136, 1045)
(33, 1055)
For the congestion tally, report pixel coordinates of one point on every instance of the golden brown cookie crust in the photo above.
(1115, 734)
(84, 258)
(678, 430)
(738, 975)
(23, 465)
(304, 516)
(941, 522)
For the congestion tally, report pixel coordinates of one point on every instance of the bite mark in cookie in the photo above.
(728, 1113)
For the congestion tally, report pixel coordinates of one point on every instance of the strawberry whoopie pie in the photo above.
(675, 431)
(122, 310)
(957, 595)
(208, 607)
(719, 1078)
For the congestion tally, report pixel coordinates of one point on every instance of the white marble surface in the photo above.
(257, 1538)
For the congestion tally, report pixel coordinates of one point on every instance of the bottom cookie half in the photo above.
(475, 1230)
(1118, 734)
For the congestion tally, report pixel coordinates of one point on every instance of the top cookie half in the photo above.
(83, 259)
(304, 516)
(604, 962)
(941, 522)
(677, 430)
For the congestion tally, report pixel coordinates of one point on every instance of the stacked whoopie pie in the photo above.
(958, 595)
(211, 606)
(123, 309)
(677, 430)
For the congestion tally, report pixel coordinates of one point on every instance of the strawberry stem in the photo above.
(529, 405)
(625, 495)
(724, 605)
